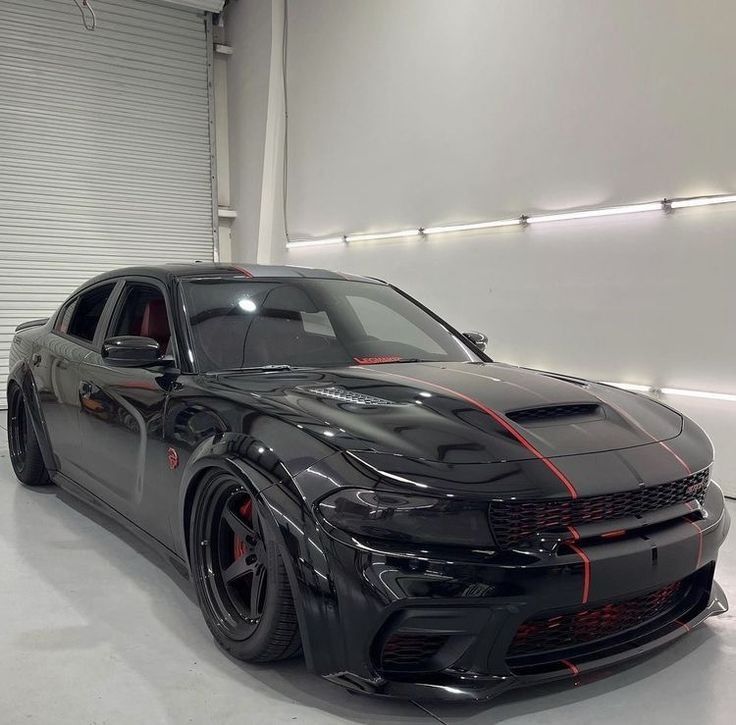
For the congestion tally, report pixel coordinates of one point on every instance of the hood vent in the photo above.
(343, 395)
(550, 414)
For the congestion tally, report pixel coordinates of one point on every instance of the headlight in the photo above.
(407, 517)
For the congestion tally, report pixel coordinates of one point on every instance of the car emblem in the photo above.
(173, 458)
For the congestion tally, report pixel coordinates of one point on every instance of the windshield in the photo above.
(244, 323)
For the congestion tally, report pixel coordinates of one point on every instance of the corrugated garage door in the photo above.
(104, 147)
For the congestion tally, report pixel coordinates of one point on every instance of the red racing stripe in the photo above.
(633, 420)
(700, 541)
(586, 571)
(242, 270)
(679, 460)
(500, 420)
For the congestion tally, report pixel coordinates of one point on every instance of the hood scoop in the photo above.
(552, 414)
(343, 395)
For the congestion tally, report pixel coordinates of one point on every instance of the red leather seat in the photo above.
(155, 322)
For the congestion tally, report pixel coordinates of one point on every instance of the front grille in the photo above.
(550, 412)
(547, 634)
(404, 650)
(516, 522)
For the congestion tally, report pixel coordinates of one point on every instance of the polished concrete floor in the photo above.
(94, 630)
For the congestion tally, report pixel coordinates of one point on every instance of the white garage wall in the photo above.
(422, 112)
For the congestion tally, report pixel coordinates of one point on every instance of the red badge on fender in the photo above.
(173, 458)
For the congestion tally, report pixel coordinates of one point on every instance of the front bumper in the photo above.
(354, 598)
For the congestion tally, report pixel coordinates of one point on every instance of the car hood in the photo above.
(457, 412)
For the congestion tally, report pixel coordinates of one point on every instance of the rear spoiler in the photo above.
(31, 323)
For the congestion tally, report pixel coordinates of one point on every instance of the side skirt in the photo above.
(79, 492)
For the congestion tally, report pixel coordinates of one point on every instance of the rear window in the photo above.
(62, 324)
(82, 315)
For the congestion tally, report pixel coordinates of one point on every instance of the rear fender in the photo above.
(22, 376)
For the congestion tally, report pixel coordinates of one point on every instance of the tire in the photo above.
(25, 452)
(241, 582)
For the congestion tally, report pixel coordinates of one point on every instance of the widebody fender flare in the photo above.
(22, 375)
(243, 456)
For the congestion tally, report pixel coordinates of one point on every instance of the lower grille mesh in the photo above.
(404, 650)
(546, 634)
(516, 522)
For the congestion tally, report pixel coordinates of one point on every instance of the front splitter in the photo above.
(469, 687)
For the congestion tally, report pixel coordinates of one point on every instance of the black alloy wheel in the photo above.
(17, 432)
(240, 578)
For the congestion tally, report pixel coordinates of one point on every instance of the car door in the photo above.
(55, 364)
(122, 412)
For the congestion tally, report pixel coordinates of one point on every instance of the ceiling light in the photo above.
(383, 235)
(662, 205)
(703, 201)
(606, 211)
(699, 394)
(470, 227)
(314, 242)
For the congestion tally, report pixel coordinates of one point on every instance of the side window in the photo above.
(383, 323)
(62, 323)
(143, 313)
(85, 313)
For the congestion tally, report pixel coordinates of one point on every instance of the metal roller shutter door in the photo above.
(105, 153)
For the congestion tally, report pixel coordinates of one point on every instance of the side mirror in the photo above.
(129, 351)
(478, 339)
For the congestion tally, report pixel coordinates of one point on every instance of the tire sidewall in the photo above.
(33, 472)
(250, 647)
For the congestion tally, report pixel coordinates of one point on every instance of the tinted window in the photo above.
(87, 312)
(239, 323)
(62, 324)
(383, 323)
(143, 312)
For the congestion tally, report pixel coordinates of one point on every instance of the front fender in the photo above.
(245, 457)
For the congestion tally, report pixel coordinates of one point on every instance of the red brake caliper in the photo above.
(240, 548)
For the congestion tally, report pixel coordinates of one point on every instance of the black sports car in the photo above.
(341, 472)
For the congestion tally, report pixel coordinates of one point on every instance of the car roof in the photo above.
(168, 272)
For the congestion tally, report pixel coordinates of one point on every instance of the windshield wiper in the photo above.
(379, 361)
(256, 369)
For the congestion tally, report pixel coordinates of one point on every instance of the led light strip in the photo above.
(523, 220)
(674, 391)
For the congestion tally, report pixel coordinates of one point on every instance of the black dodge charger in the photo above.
(342, 473)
